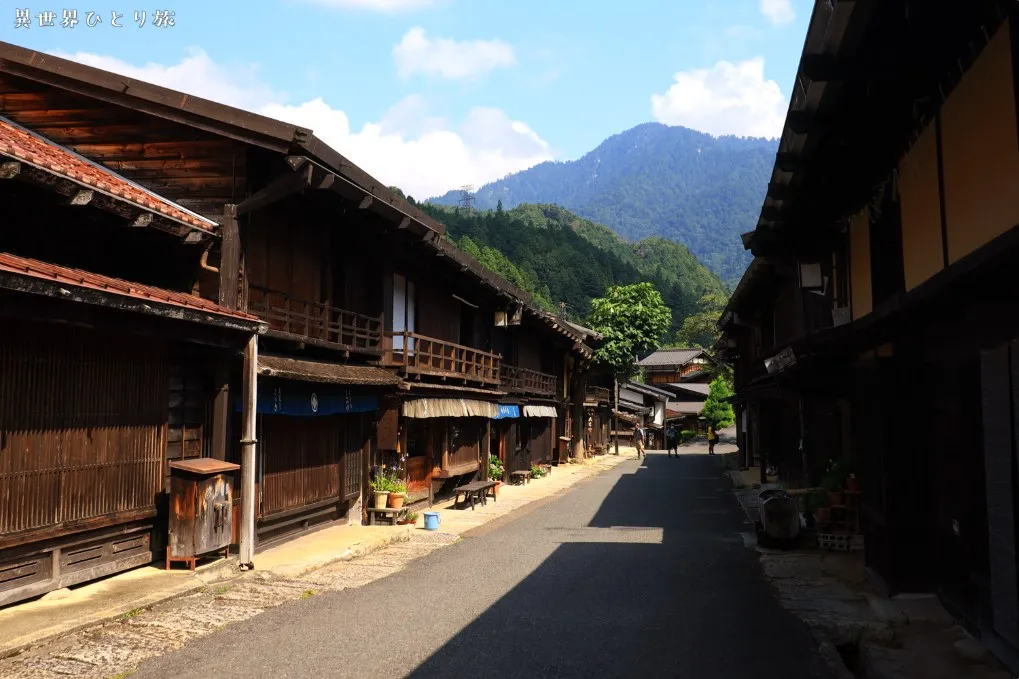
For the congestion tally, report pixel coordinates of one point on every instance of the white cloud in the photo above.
(778, 11)
(234, 84)
(386, 6)
(418, 53)
(422, 154)
(725, 99)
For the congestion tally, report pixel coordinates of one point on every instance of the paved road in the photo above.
(641, 571)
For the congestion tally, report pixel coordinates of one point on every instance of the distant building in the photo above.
(675, 366)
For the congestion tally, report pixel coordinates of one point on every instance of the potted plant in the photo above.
(410, 520)
(495, 472)
(536, 471)
(380, 487)
(397, 491)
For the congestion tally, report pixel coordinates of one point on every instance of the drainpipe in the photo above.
(205, 263)
(246, 548)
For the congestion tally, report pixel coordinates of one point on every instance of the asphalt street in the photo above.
(641, 571)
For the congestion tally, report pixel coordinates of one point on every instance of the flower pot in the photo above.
(396, 500)
(853, 484)
(836, 497)
(381, 497)
(821, 515)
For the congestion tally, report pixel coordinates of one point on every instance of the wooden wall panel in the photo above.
(859, 265)
(82, 426)
(922, 255)
(981, 151)
(438, 313)
(528, 351)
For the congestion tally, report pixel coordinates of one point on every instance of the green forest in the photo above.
(559, 257)
(655, 180)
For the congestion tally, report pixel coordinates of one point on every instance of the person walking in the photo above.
(672, 440)
(638, 440)
(712, 439)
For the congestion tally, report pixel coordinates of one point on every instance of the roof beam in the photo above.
(282, 187)
(788, 162)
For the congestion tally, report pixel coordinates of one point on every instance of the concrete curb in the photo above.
(399, 534)
(217, 573)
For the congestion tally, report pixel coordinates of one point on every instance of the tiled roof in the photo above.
(23, 145)
(83, 279)
(670, 357)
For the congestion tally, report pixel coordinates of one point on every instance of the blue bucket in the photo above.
(431, 521)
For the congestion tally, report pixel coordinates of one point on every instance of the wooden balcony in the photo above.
(315, 323)
(598, 394)
(525, 381)
(416, 354)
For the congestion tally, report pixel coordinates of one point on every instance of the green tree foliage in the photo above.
(563, 258)
(656, 180)
(717, 412)
(701, 329)
(632, 319)
(495, 261)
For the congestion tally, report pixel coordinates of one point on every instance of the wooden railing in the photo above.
(418, 354)
(598, 394)
(525, 381)
(312, 320)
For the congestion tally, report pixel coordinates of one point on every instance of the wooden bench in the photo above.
(520, 477)
(388, 515)
(474, 491)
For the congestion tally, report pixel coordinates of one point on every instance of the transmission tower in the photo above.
(466, 202)
(562, 310)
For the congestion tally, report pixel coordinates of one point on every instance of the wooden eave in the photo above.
(80, 193)
(870, 76)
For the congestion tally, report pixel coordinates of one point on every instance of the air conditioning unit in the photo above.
(840, 315)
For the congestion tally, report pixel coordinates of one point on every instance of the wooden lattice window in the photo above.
(187, 415)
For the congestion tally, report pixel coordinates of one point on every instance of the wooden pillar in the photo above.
(230, 259)
(615, 411)
(248, 442)
(221, 412)
(486, 444)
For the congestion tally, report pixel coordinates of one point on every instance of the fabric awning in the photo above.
(540, 411)
(449, 407)
(507, 411)
(324, 372)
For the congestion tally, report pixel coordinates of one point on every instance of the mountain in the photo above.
(560, 257)
(655, 180)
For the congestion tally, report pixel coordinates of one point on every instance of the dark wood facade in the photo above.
(302, 246)
(875, 324)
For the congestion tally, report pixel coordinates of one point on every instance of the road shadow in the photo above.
(657, 583)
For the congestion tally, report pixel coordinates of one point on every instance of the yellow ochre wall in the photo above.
(980, 151)
(859, 264)
(921, 210)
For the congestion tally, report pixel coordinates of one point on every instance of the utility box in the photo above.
(201, 509)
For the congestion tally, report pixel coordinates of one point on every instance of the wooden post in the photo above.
(615, 411)
(486, 442)
(248, 442)
(230, 259)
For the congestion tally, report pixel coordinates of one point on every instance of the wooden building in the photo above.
(877, 321)
(373, 317)
(650, 405)
(109, 365)
(472, 350)
(675, 366)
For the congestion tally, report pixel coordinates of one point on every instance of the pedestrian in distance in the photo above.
(638, 440)
(672, 441)
(712, 439)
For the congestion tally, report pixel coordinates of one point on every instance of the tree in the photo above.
(717, 411)
(632, 319)
(498, 208)
(700, 330)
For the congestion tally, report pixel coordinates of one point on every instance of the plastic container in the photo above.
(431, 521)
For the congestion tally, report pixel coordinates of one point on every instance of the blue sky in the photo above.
(432, 94)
